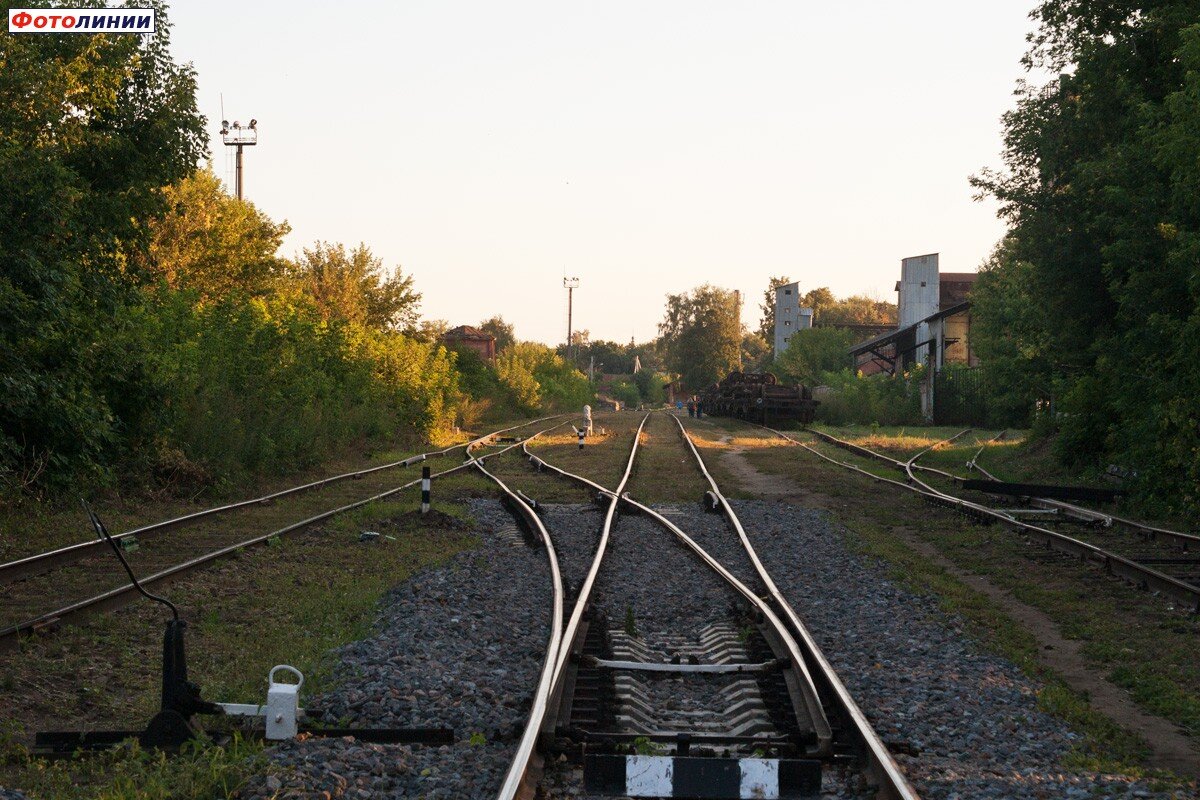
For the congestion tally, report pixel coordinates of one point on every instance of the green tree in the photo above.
(756, 352)
(610, 357)
(813, 353)
(429, 330)
(651, 386)
(1099, 190)
(538, 378)
(650, 355)
(853, 310)
(1010, 337)
(503, 331)
(627, 392)
(702, 335)
(90, 128)
(820, 300)
(212, 242)
(353, 286)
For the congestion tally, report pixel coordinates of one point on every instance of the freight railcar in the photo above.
(758, 397)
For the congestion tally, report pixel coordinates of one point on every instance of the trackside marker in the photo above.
(425, 483)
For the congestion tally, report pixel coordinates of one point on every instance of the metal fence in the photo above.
(960, 396)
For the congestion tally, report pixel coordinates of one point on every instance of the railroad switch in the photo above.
(174, 723)
(181, 700)
(529, 501)
(283, 704)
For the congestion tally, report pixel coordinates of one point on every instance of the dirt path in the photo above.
(760, 483)
(1170, 748)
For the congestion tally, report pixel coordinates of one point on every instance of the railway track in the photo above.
(1143, 567)
(727, 691)
(48, 589)
(1175, 553)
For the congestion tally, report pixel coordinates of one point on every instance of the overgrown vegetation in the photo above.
(1092, 302)
(150, 334)
(297, 603)
(812, 354)
(871, 400)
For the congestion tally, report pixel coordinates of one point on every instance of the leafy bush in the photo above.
(879, 399)
(262, 385)
(627, 392)
(812, 353)
(563, 386)
(515, 372)
(651, 386)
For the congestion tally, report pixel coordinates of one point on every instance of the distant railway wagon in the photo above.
(758, 397)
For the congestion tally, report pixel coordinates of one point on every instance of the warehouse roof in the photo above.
(888, 338)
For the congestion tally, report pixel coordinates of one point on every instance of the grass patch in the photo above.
(36, 527)
(292, 603)
(201, 770)
(896, 441)
(665, 470)
(602, 460)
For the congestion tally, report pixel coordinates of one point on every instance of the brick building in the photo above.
(466, 337)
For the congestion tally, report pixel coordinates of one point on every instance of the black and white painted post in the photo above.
(425, 483)
(582, 433)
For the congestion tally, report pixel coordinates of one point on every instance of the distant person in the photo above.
(691, 408)
(699, 409)
(679, 405)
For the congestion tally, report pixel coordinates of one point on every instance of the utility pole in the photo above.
(239, 137)
(571, 284)
(737, 298)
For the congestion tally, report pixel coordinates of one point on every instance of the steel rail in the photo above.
(890, 780)
(1040, 502)
(123, 595)
(909, 465)
(820, 722)
(867, 452)
(1086, 513)
(972, 464)
(43, 562)
(1186, 540)
(1138, 574)
(518, 776)
(585, 590)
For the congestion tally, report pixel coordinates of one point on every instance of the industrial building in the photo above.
(789, 316)
(466, 337)
(934, 321)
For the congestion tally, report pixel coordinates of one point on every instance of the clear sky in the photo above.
(645, 147)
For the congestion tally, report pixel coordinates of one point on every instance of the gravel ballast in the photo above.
(964, 723)
(459, 646)
(652, 581)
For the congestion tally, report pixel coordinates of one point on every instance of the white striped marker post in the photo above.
(425, 482)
